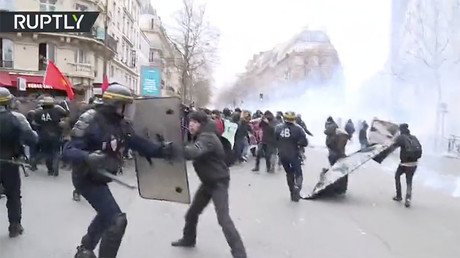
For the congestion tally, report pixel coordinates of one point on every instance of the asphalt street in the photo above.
(364, 223)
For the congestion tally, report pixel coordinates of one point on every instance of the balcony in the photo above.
(112, 43)
(6, 64)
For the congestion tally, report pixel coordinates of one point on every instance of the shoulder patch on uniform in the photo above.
(83, 122)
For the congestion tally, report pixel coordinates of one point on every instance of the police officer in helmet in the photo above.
(290, 139)
(15, 130)
(98, 139)
(50, 132)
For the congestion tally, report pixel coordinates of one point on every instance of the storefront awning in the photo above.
(32, 81)
(5, 79)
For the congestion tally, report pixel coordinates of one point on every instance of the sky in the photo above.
(359, 30)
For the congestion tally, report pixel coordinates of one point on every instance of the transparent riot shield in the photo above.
(161, 179)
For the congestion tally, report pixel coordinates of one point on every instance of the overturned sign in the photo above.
(381, 136)
(161, 179)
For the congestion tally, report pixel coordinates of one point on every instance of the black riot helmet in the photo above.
(5, 96)
(117, 98)
(117, 94)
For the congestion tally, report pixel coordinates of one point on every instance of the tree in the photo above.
(196, 41)
(430, 28)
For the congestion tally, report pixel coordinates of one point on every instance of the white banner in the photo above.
(22, 84)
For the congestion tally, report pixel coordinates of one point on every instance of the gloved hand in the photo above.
(96, 160)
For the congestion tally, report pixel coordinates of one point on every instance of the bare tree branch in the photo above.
(197, 42)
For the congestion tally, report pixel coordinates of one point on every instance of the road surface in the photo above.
(364, 223)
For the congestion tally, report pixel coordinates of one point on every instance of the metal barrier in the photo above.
(453, 144)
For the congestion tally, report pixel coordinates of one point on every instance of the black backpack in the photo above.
(412, 147)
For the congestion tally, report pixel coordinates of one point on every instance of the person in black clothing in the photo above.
(408, 164)
(268, 145)
(14, 131)
(208, 158)
(350, 128)
(48, 120)
(302, 124)
(98, 138)
(242, 136)
(363, 135)
(290, 137)
(336, 140)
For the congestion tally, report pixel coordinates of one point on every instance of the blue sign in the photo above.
(150, 81)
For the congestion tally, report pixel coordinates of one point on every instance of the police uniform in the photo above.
(14, 131)
(290, 139)
(50, 132)
(97, 140)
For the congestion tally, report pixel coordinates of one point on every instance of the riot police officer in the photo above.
(48, 120)
(98, 139)
(290, 139)
(14, 131)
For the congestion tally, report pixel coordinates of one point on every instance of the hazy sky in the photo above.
(359, 29)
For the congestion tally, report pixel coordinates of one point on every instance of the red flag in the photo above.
(105, 83)
(54, 78)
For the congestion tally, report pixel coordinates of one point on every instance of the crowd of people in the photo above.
(96, 136)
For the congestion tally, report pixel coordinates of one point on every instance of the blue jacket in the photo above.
(98, 130)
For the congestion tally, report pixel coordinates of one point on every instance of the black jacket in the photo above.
(268, 132)
(289, 138)
(208, 155)
(48, 120)
(243, 130)
(350, 128)
(401, 142)
(363, 134)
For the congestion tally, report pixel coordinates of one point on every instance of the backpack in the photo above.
(412, 148)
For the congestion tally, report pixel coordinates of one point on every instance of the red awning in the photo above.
(5, 79)
(32, 81)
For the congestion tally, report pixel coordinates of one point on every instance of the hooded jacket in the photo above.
(208, 155)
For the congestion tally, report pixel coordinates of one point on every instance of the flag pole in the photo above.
(106, 26)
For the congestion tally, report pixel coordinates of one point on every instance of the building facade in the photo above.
(81, 56)
(78, 55)
(308, 59)
(162, 53)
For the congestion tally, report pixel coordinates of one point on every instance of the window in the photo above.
(124, 24)
(6, 53)
(152, 55)
(48, 5)
(152, 23)
(96, 66)
(111, 71)
(80, 7)
(123, 51)
(80, 56)
(46, 53)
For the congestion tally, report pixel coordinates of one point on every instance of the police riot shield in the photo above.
(381, 136)
(161, 179)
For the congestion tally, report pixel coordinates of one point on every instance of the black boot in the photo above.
(15, 229)
(298, 181)
(291, 184)
(82, 252)
(397, 198)
(407, 203)
(184, 243)
(256, 169)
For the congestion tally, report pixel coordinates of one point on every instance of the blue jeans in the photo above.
(101, 199)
